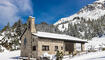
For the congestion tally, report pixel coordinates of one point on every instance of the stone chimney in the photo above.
(31, 24)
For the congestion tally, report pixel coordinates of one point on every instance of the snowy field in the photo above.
(96, 43)
(89, 56)
(7, 55)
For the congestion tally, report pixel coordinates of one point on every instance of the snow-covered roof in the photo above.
(58, 36)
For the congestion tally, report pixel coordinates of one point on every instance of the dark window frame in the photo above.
(61, 47)
(56, 48)
(34, 48)
(29, 25)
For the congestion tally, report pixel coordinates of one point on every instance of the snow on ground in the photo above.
(96, 43)
(10, 55)
(89, 56)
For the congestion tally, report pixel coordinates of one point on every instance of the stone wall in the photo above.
(51, 43)
(35, 43)
(26, 49)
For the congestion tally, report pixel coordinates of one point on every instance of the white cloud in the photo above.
(10, 10)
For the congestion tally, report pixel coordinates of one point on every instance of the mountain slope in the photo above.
(87, 23)
(91, 11)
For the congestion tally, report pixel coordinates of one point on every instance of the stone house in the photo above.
(34, 43)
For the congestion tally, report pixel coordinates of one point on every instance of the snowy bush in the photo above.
(96, 44)
(59, 55)
(103, 49)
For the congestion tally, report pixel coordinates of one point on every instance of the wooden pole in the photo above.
(82, 47)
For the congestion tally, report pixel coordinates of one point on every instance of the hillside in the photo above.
(91, 11)
(87, 23)
(10, 36)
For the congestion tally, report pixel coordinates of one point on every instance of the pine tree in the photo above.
(19, 28)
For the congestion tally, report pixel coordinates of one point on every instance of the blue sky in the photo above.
(52, 10)
(48, 11)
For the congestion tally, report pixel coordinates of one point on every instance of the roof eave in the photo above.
(62, 39)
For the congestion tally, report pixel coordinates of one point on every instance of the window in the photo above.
(62, 48)
(34, 48)
(45, 48)
(25, 41)
(56, 48)
(29, 24)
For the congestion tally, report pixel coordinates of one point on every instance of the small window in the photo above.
(45, 48)
(56, 48)
(29, 24)
(62, 48)
(25, 41)
(34, 48)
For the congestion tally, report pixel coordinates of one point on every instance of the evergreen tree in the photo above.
(19, 28)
